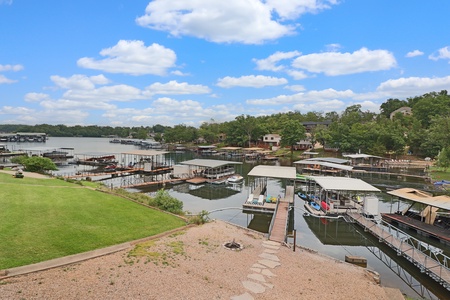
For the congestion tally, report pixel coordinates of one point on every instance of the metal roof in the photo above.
(146, 152)
(442, 202)
(273, 172)
(209, 163)
(325, 164)
(360, 155)
(329, 159)
(343, 184)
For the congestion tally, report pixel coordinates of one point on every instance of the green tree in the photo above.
(35, 163)
(443, 159)
(390, 105)
(292, 133)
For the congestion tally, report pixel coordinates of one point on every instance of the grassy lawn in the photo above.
(439, 174)
(41, 219)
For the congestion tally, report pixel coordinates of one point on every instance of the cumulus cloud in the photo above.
(232, 21)
(175, 88)
(411, 86)
(443, 53)
(120, 92)
(36, 97)
(336, 63)
(4, 80)
(270, 63)
(79, 81)
(310, 96)
(64, 104)
(291, 9)
(13, 68)
(257, 81)
(132, 57)
(414, 53)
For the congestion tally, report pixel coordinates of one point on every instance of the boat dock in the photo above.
(260, 202)
(428, 260)
(278, 230)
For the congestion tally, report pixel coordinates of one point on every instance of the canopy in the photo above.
(343, 184)
(273, 172)
(442, 202)
(209, 163)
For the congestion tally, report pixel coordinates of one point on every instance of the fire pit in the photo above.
(233, 246)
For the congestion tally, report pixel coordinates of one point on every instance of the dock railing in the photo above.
(273, 219)
(428, 258)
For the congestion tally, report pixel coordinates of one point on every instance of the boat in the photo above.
(235, 179)
(324, 205)
(314, 205)
(302, 196)
(428, 215)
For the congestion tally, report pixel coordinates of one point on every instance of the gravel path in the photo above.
(194, 264)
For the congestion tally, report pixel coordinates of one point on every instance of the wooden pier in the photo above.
(279, 228)
(426, 263)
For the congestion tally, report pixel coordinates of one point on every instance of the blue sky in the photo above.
(141, 63)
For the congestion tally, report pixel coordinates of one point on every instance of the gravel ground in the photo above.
(194, 264)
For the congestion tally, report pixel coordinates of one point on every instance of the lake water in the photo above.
(331, 237)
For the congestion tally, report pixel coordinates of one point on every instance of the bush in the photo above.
(168, 203)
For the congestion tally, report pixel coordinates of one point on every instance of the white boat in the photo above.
(235, 179)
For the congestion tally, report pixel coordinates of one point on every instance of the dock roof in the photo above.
(325, 164)
(273, 172)
(360, 155)
(146, 152)
(411, 194)
(329, 159)
(209, 163)
(343, 184)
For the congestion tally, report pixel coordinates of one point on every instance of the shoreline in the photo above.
(194, 264)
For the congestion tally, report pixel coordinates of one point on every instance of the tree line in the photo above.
(425, 132)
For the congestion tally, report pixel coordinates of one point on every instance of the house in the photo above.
(272, 139)
(406, 111)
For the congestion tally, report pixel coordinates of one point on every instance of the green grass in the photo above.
(41, 219)
(439, 174)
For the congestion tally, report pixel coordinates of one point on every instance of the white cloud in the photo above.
(291, 9)
(297, 75)
(310, 96)
(13, 68)
(295, 88)
(414, 53)
(119, 92)
(270, 63)
(132, 57)
(64, 104)
(334, 63)
(232, 21)
(36, 97)
(4, 80)
(443, 53)
(413, 86)
(175, 88)
(257, 81)
(78, 81)
(15, 110)
(333, 47)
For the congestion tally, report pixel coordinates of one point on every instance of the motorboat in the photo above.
(235, 179)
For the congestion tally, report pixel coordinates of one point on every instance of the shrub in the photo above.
(168, 203)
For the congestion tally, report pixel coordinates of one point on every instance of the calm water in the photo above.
(333, 238)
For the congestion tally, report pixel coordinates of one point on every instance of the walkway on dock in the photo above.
(279, 228)
(434, 266)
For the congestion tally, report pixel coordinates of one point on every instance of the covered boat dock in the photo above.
(259, 202)
(337, 195)
(427, 214)
(205, 170)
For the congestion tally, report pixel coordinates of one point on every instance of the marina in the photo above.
(226, 201)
